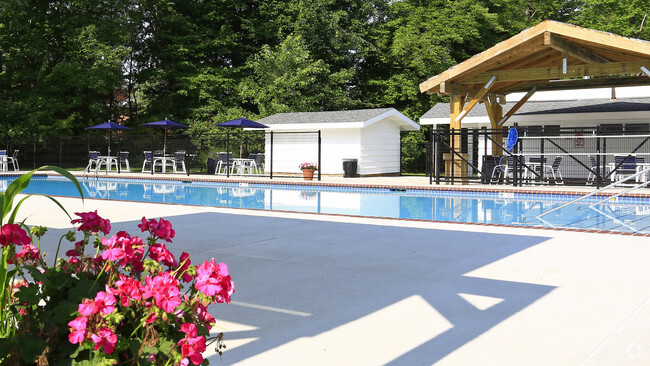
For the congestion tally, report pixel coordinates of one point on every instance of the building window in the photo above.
(612, 128)
(637, 127)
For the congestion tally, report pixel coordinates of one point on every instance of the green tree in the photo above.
(625, 18)
(286, 78)
(60, 70)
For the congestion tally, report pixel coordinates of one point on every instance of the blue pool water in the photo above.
(520, 209)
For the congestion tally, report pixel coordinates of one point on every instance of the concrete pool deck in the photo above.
(334, 290)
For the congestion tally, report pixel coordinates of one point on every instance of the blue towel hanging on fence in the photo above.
(513, 136)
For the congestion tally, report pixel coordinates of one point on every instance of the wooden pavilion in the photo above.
(548, 56)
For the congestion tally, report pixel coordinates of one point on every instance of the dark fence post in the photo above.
(599, 171)
(436, 155)
(430, 147)
(319, 154)
(60, 151)
(34, 149)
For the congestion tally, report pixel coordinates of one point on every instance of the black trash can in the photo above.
(489, 163)
(212, 165)
(349, 168)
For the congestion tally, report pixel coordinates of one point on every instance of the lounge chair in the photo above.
(179, 160)
(257, 163)
(93, 159)
(554, 171)
(148, 159)
(123, 160)
(506, 168)
(225, 161)
(594, 168)
(623, 167)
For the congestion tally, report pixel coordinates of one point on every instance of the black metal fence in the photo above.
(579, 156)
(71, 152)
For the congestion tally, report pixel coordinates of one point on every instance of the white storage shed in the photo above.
(371, 136)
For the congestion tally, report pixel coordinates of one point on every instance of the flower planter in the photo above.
(308, 174)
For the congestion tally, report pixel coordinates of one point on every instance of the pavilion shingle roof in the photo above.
(441, 110)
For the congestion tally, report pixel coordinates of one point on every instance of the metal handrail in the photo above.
(615, 184)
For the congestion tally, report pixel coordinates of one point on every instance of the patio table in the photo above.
(106, 160)
(244, 165)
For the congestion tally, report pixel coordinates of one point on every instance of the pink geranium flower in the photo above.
(192, 345)
(13, 234)
(212, 279)
(92, 223)
(106, 338)
(160, 253)
(77, 329)
(127, 289)
(28, 254)
(204, 316)
(185, 264)
(164, 289)
(124, 249)
(104, 303)
(161, 229)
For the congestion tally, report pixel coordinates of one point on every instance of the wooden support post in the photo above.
(459, 166)
(495, 112)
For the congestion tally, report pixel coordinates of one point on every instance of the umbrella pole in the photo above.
(165, 142)
(227, 153)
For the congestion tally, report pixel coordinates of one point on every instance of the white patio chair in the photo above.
(623, 167)
(179, 160)
(123, 160)
(3, 160)
(93, 160)
(13, 159)
(148, 159)
(554, 171)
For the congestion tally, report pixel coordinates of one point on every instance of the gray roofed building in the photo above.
(356, 118)
(357, 115)
(543, 111)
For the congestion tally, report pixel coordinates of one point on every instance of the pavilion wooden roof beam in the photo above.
(475, 99)
(572, 84)
(553, 73)
(545, 46)
(571, 49)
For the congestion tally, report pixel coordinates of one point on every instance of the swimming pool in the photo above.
(519, 209)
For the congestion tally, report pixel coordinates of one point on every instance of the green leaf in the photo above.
(31, 347)
(63, 312)
(165, 345)
(20, 183)
(80, 290)
(38, 276)
(28, 294)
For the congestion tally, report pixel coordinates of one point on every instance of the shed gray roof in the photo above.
(357, 115)
(441, 110)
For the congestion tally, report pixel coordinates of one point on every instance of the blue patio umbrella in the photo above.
(238, 123)
(108, 126)
(242, 123)
(165, 124)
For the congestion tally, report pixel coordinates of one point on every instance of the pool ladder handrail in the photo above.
(615, 184)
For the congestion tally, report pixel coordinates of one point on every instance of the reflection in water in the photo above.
(448, 207)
